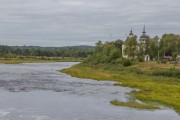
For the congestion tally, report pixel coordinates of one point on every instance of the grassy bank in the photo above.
(133, 105)
(164, 90)
(38, 60)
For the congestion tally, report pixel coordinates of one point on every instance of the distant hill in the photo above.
(25, 46)
(82, 47)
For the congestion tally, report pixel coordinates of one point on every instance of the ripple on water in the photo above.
(36, 91)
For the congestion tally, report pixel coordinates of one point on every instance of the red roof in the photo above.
(167, 57)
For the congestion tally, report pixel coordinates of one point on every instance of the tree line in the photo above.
(111, 52)
(74, 51)
(107, 52)
(168, 45)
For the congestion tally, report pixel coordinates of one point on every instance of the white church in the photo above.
(143, 38)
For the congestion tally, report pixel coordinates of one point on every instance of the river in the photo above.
(37, 91)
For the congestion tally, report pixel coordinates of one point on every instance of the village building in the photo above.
(142, 45)
(124, 55)
(144, 36)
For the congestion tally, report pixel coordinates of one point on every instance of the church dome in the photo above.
(144, 36)
(131, 33)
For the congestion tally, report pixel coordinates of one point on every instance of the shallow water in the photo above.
(37, 91)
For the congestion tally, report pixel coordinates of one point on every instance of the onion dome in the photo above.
(131, 33)
(144, 36)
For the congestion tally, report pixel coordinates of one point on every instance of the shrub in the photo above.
(140, 58)
(164, 61)
(167, 73)
(133, 69)
(119, 60)
(126, 62)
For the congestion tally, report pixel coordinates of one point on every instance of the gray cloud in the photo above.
(77, 22)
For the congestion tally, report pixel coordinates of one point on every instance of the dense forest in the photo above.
(71, 51)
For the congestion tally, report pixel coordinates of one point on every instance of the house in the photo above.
(168, 57)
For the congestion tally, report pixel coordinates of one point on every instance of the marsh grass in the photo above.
(133, 104)
(167, 73)
(160, 89)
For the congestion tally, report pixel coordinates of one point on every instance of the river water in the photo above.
(37, 91)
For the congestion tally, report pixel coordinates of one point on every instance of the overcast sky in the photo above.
(83, 22)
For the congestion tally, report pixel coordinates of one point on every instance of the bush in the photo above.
(117, 61)
(164, 61)
(126, 62)
(140, 58)
(167, 73)
(133, 69)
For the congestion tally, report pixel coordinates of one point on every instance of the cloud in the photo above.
(62, 23)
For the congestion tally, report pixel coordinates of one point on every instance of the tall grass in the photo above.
(167, 73)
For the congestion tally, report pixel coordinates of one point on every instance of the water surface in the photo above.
(37, 91)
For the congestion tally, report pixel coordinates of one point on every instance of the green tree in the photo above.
(131, 47)
(169, 44)
(154, 47)
(118, 43)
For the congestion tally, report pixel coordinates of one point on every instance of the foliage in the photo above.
(11, 52)
(163, 61)
(170, 44)
(144, 47)
(133, 104)
(111, 52)
(126, 62)
(154, 47)
(140, 58)
(131, 47)
(167, 73)
(107, 52)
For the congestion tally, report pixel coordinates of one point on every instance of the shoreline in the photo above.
(38, 60)
(151, 88)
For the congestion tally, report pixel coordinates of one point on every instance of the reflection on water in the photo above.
(36, 91)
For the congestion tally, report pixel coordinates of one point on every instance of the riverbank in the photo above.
(38, 60)
(160, 89)
(38, 91)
